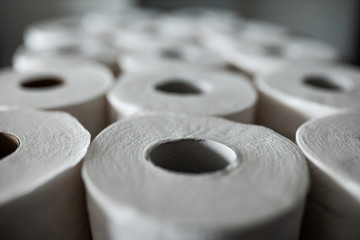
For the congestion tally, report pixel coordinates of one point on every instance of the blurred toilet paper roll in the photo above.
(216, 19)
(41, 193)
(249, 29)
(79, 90)
(26, 59)
(186, 29)
(167, 54)
(62, 33)
(332, 147)
(256, 55)
(257, 30)
(102, 23)
(289, 97)
(201, 13)
(196, 178)
(184, 90)
(137, 42)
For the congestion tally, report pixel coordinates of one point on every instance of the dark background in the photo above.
(333, 21)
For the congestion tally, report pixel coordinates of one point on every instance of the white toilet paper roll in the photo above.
(132, 41)
(258, 30)
(41, 193)
(200, 20)
(195, 178)
(183, 89)
(25, 59)
(332, 146)
(301, 92)
(201, 13)
(102, 23)
(63, 33)
(127, 30)
(257, 55)
(249, 29)
(180, 28)
(77, 90)
(162, 56)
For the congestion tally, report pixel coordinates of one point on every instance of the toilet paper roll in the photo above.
(25, 59)
(212, 19)
(196, 178)
(41, 193)
(331, 145)
(129, 41)
(77, 90)
(187, 29)
(110, 21)
(193, 91)
(167, 54)
(130, 29)
(301, 92)
(257, 55)
(243, 29)
(201, 13)
(258, 30)
(64, 33)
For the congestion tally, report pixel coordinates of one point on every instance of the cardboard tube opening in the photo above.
(322, 82)
(42, 82)
(178, 86)
(192, 156)
(8, 144)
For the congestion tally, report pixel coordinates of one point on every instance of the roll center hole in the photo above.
(42, 82)
(178, 86)
(8, 144)
(192, 156)
(322, 82)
